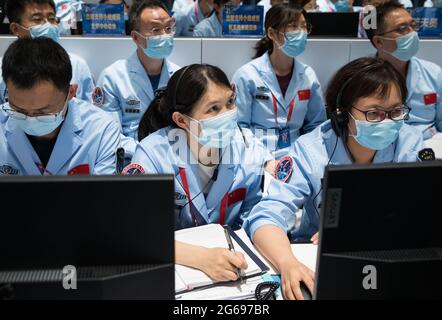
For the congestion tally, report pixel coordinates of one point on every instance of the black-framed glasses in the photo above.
(404, 28)
(378, 115)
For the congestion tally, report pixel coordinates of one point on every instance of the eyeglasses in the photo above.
(378, 115)
(168, 28)
(404, 28)
(307, 27)
(46, 117)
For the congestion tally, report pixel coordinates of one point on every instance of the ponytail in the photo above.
(262, 46)
(155, 117)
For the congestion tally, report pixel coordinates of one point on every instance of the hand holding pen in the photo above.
(239, 272)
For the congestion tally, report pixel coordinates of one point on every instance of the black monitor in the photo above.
(381, 232)
(117, 231)
(334, 24)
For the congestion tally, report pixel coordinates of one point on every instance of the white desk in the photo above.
(306, 253)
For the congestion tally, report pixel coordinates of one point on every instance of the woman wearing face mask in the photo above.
(217, 166)
(366, 102)
(212, 26)
(278, 96)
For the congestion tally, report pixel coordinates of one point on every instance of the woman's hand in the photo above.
(292, 273)
(315, 238)
(221, 264)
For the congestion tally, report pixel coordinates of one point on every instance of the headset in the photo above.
(338, 119)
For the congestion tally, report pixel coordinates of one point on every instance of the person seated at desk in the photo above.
(126, 88)
(218, 166)
(191, 15)
(46, 130)
(33, 19)
(366, 102)
(211, 26)
(397, 42)
(278, 96)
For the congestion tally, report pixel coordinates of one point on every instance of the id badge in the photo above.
(284, 138)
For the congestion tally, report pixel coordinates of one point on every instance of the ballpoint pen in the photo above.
(239, 273)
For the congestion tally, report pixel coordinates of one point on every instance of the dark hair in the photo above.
(138, 7)
(382, 11)
(278, 18)
(184, 89)
(28, 62)
(16, 8)
(358, 79)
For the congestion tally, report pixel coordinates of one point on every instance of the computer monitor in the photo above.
(380, 232)
(334, 24)
(112, 229)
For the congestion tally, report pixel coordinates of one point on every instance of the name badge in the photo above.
(284, 140)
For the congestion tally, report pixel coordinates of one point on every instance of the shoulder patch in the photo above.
(8, 170)
(98, 97)
(133, 169)
(284, 169)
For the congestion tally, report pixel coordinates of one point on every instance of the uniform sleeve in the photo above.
(129, 144)
(142, 158)
(198, 31)
(254, 192)
(106, 160)
(180, 23)
(86, 85)
(316, 106)
(244, 99)
(282, 200)
(439, 104)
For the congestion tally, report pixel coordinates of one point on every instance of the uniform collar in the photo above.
(264, 67)
(213, 20)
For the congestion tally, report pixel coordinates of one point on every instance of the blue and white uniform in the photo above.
(209, 27)
(86, 144)
(303, 189)
(424, 83)
(187, 19)
(128, 92)
(230, 194)
(265, 110)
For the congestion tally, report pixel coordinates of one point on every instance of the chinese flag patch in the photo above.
(81, 169)
(304, 95)
(430, 98)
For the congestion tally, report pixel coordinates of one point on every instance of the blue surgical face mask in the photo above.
(159, 47)
(377, 135)
(407, 46)
(47, 30)
(342, 6)
(38, 128)
(295, 43)
(218, 131)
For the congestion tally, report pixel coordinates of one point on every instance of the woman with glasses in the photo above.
(278, 96)
(126, 88)
(396, 41)
(366, 102)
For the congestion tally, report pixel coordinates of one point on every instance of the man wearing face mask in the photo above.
(397, 41)
(126, 88)
(191, 15)
(35, 19)
(47, 131)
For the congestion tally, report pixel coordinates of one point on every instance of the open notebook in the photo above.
(211, 236)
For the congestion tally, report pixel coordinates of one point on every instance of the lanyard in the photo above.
(186, 190)
(195, 10)
(275, 109)
(328, 4)
(43, 169)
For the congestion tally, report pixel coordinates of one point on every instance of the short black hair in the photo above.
(137, 8)
(382, 11)
(16, 8)
(28, 62)
(361, 78)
